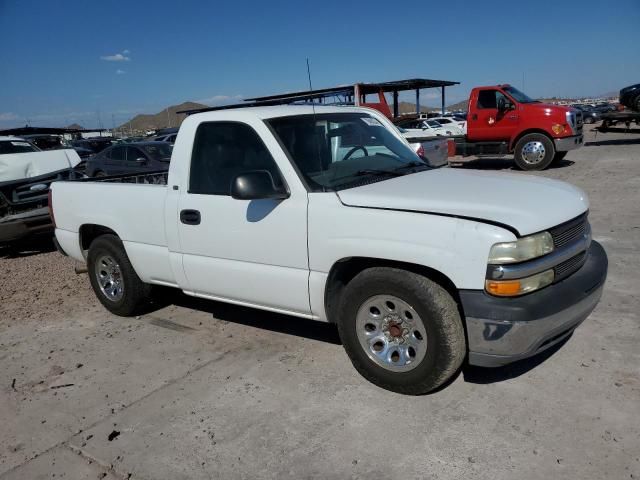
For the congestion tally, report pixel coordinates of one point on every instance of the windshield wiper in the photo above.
(410, 165)
(373, 171)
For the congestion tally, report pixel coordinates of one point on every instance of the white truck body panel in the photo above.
(277, 255)
(508, 199)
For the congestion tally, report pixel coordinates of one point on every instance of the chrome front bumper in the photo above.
(568, 143)
(504, 330)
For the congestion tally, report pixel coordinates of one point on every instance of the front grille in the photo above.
(570, 231)
(566, 268)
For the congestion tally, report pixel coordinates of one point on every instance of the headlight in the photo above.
(523, 249)
(557, 128)
(511, 288)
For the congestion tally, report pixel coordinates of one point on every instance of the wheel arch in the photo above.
(89, 232)
(345, 269)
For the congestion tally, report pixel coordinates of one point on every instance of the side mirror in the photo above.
(141, 160)
(256, 185)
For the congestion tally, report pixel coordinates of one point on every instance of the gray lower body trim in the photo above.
(494, 343)
(568, 143)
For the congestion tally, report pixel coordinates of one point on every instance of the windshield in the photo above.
(518, 96)
(16, 146)
(343, 150)
(161, 151)
(434, 124)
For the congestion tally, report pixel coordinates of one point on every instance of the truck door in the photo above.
(486, 122)
(248, 252)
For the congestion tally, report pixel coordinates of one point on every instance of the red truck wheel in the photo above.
(534, 152)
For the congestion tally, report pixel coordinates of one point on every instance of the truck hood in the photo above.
(18, 166)
(523, 202)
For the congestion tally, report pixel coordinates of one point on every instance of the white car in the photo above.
(448, 122)
(426, 127)
(326, 213)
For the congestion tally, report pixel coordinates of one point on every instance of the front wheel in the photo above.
(534, 151)
(113, 278)
(401, 331)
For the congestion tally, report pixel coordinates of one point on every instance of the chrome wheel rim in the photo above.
(391, 333)
(533, 152)
(109, 278)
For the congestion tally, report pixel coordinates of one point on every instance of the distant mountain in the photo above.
(168, 117)
(75, 126)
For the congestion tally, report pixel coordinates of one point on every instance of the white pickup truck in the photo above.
(328, 214)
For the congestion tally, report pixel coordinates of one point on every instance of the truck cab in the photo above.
(501, 120)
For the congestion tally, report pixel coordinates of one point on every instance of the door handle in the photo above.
(190, 217)
(513, 117)
(474, 116)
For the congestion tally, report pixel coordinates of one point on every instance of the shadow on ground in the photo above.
(28, 247)
(506, 163)
(617, 141)
(483, 376)
(254, 318)
(325, 332)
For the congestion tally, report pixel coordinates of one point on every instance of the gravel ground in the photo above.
(203, 390)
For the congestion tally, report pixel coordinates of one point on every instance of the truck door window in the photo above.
(223, 150)
(489, 99)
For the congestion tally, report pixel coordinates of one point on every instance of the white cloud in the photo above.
(220, 99)
(120, 72)
(8, 117)
(118, 57)
(126, 52)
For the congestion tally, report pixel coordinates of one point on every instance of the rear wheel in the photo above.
(113, 278)
(589, 120)
(99, 173)
(402, 331)
(534, 151)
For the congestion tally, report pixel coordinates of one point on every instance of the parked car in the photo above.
(129, 158)
(589, 114)
(26, 172)
(630, 97)
(422, 127)
(452, 121)
(326, 213)
(171, 139)
(93, 144)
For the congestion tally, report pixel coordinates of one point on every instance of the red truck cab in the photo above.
(502, 118)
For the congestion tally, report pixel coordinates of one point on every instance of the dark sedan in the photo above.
(589, 114)
(127, 158)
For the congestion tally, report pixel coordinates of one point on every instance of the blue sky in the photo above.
(72, 61)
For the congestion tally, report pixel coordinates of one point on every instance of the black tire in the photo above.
(99, 173)
(559, 156)
(589, 120)
(544, 162)
(437, 311)
(135, 294)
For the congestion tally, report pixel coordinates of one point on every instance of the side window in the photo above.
(223, 150)
(117, 153)
(133, 153)
(487, 99)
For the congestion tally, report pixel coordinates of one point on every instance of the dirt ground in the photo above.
(204, 390)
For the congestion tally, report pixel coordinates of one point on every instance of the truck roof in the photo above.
(278, 111)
